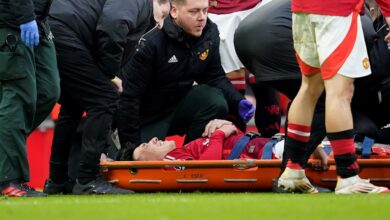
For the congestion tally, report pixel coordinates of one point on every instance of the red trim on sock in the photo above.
(343, 146)
(302, 128)
(294, 166)
(298, 137)
(239, 83)
(293, 131)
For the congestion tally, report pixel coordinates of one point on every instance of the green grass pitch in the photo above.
(186, 206)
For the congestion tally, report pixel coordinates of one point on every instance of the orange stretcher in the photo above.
(226, 175)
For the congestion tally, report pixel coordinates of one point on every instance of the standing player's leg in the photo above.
(302, 108)
(343, 57)
(298, 134)
(339, 125)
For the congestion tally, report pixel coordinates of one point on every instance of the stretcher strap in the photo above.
(238, 148)
(240, 145)
(267, 151)
(366, 147)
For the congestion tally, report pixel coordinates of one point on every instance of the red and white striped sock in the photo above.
(297, 138)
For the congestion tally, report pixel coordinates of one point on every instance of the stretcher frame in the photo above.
(225, 175)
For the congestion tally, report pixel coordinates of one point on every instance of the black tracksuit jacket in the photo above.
(108, 29)
(13, 13)
(162, 71)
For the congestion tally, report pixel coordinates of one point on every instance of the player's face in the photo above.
(191, 16)
(155, 149)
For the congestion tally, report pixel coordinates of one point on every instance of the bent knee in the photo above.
(221, 108)
(341, 93)
(213, 98)
(312, 91)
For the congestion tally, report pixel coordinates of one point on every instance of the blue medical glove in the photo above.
(246, 110)
(29, 33)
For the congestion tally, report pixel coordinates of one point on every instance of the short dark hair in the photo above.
(126, 152)
(179, 2)
(160, 2)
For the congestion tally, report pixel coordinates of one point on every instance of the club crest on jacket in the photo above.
(203, 56)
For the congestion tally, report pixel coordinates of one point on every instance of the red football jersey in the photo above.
(335, 7)
(217, 147)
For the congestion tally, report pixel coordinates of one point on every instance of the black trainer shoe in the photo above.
(21, 190)
(53, 188)
(98, 186)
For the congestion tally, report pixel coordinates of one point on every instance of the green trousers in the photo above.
(202, 104)
(29, 88)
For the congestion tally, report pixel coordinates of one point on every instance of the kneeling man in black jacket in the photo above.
(159, 96)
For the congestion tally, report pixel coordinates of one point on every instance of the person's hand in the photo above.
(103, 157)
(322, 164)
(214, 125)
(228, 130)
(118, 84)
(246, 110)
(29, 33)
(387, 37)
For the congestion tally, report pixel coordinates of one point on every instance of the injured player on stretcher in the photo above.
(221, 141)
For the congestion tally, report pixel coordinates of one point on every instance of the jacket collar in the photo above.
(172, 30)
